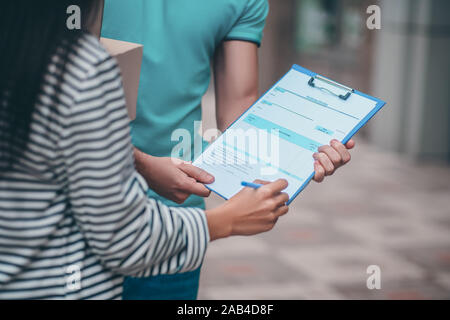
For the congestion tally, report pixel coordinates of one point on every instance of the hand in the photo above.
(330, 158)
(172, 178)
(250, 211)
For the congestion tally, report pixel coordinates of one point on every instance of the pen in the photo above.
(251, 185)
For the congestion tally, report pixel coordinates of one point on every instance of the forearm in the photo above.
(180, 237)
(139, 161)
(137, 236)
(236, 80)
(228, 110)
(219, 223)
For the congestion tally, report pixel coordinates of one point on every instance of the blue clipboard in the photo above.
(312, 82)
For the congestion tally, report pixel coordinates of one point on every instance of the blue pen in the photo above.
(251, 185)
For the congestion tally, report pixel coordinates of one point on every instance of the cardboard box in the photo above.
(129, 57)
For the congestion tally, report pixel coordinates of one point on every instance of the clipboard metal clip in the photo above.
(344, 97)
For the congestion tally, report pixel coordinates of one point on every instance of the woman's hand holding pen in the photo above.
(249, 212)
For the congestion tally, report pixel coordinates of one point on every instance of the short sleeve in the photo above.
(250, 25)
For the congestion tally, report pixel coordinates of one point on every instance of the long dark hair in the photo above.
(31, 31)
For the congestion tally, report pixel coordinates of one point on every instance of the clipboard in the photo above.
(320, 89)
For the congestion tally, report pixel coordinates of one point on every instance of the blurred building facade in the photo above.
(412, 70)
(381, 209)
(406, 63)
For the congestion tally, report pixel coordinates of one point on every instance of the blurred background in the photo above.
(389, 207)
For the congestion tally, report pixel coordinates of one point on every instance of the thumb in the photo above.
(350, 144)
(198, 174)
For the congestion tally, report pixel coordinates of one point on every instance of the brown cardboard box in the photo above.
(129, 57)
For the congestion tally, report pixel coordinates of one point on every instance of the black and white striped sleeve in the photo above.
(132, 234)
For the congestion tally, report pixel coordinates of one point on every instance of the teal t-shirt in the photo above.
(179, 38)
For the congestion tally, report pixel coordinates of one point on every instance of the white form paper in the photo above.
(277, 136)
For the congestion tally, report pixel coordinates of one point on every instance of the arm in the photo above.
(131, 234)
(236, 87)
(236, 80)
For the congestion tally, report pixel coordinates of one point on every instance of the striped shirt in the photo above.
(74, 215)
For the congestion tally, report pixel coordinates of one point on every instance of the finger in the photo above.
(281, 211)
(281, 199)
(319, 172)
(193, 187)
(275, 187)
(333, 155)
(178, 162)
(257, 181)
(198, 174)
(342, 150)
(351, 144)
(325, 162)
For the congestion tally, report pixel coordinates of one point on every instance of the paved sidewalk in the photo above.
(379, 210)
